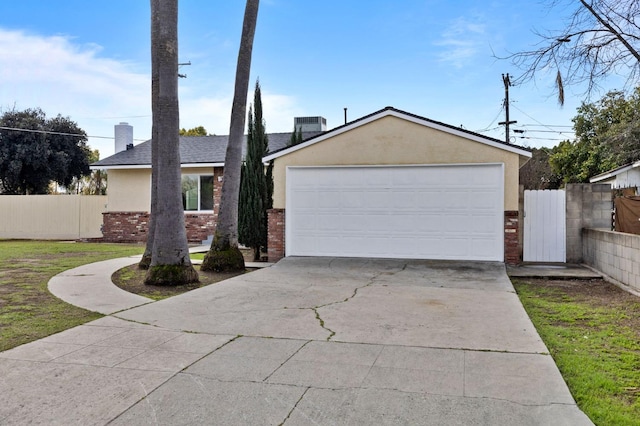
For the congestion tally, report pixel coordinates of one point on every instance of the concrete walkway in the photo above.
(307, 341)
(553, 271)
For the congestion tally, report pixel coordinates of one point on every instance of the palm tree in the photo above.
(170, 262)
(151, 231)
(224, 254)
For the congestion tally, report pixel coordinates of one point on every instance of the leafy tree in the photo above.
(600, 38)
(296, 136)
(196, 131)
(253, 202)
(170, 262)
(224, 254)
(92, 184)
(45, 150)
(537, 172)
(607, 136)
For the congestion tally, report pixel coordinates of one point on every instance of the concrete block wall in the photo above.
(588, 206)
(615, 254)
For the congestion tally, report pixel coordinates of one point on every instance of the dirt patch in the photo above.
(597, 290)
(596, 293)
(131, 279)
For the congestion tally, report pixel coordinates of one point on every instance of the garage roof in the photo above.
(393, 112)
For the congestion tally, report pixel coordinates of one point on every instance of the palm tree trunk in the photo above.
(224, 254)
(151, 231)
(170, 262)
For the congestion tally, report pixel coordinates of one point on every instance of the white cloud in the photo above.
(215, 113)
(60, 77)
(279, 111)
(461, 42)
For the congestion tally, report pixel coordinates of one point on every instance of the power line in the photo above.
(539, 123)
(560, 132)
(545, 125)
(59, 133)
(115, 118)
(541, 139)
(486, 129)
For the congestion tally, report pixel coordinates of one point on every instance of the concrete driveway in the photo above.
(308, 341)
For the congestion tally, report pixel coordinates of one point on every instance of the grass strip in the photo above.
(595, 341)
(28, 311)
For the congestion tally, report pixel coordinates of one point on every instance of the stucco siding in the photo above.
(391, 140)
(129, 190)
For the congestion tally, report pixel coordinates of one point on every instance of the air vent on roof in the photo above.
(310, 124)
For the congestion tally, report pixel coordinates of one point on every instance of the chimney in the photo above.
(123, 136)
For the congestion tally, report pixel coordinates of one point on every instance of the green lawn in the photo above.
(594, 338)
(27, 310)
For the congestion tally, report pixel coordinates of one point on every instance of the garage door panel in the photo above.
(481, 200)
(481, 224)
(307, 198)
(453, 224)
(434, 212)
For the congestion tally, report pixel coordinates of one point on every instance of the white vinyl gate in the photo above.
(544, 226)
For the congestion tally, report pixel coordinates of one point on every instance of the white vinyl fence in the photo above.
(544, 236)
(51, 217)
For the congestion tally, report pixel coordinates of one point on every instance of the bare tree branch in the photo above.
(600, 38)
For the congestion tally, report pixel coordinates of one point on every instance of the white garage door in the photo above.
(421, 212)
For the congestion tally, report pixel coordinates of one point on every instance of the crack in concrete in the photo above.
(286, 360)
(371, 281)
(294, 407)
(322, 324)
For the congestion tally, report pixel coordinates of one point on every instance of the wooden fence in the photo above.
(51, 217)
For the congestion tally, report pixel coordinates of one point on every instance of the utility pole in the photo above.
(181, 64)
(506, 122)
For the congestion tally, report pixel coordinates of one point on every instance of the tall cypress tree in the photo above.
(296, 136)
(255, 196)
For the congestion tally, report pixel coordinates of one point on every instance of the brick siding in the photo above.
(275, 237)
(132, 227)
(511, 237)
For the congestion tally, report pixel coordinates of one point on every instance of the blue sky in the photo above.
(435, 58)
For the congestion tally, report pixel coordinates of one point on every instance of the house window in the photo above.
(197, 192)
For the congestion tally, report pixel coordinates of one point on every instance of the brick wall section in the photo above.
(132, 227)
(218, 173)
(615, 254)
(511, 237)
(275, 237)
(199, 226)
(125, 227)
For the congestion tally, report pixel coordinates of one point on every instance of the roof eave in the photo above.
(148, 166)
(399, 114)
(613, 173)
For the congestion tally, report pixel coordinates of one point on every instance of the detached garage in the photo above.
(395, 185)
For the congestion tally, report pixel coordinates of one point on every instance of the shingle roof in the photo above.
(193, 150)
